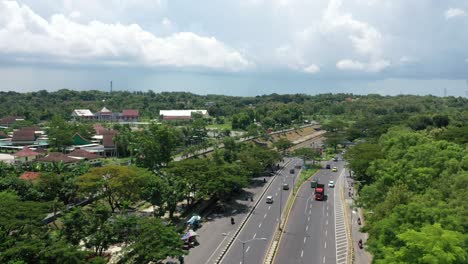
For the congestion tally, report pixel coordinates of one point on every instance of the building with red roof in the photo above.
(23, 137)
(26, 154)
(57, 157)
(30, 176)
(8, 121)
(129, 115)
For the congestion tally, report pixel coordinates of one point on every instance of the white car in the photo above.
(269, 199)
(331, 184)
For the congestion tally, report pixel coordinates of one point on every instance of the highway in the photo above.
(316, 229)
(261, 225)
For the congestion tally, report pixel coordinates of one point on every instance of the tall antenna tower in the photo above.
(445, 92)
(111, 86)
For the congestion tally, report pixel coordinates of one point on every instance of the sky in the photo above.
(236, 47)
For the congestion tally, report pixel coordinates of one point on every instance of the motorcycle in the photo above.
(359, 221)
(232, 221)
(360, 243)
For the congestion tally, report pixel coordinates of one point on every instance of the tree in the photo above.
(282, 144)
(120, 185)
(360, 157)
(155, 146)
(60, 133)
(153, 241)
(335, 132)
(307, 154)
(432, 244)
(123, 141)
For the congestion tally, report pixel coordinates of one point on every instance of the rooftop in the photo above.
(26, 152)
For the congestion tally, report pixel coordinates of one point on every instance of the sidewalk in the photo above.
(361, 256)
(216, 227)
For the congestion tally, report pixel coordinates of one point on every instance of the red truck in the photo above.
(319, 192)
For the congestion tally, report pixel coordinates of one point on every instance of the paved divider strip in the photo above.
(226, 248)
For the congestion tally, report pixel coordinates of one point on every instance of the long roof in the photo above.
(81, 153)
(83, 112)
(181, 113)
(26, 152)
(57, 157)
(24, 135)
(130, 112)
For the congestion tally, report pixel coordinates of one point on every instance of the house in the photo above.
(180, 114)
(57, 157)
(129, 115)
(30, 176)
(80, 140)
(23, 137)
(8, 121)
(105, 115)
(83, 154)
(108, 142)
(26, 154)
(83, 114)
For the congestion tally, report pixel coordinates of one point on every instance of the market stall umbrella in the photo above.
(189, 234)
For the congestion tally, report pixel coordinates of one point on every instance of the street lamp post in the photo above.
(243, 245)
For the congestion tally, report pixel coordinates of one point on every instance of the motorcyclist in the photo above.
(232, 221)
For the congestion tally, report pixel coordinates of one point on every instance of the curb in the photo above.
(226, 248)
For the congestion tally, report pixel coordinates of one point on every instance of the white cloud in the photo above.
(312, 69)
(75, 15)
(350, 65)
(454, 12)
(355, 65)
(407, 59)
(26, 34)
(366, 39)
(166, 22)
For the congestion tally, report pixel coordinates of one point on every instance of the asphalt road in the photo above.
(310, 232)
(261, 225)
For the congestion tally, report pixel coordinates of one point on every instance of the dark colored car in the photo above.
(328, 167)
(291, 171)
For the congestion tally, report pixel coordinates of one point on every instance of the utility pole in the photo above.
(111, 86)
